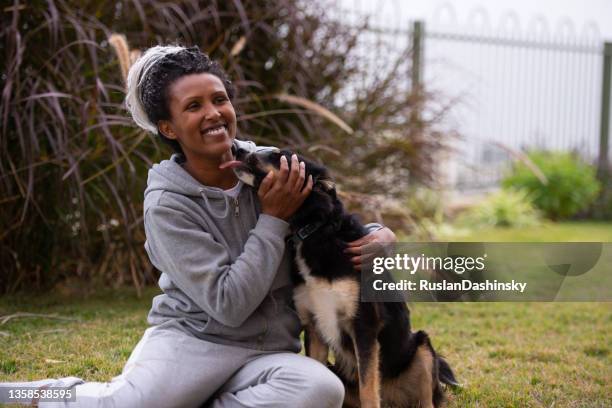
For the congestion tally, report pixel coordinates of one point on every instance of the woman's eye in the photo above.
(220, 99)
(193, 106)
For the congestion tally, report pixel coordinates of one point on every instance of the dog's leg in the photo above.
(315, 346)
(369, 373)
(351, 396)
(367, 351)
(313, 343)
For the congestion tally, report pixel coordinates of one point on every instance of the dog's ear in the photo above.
(321, 178)
(327, 184)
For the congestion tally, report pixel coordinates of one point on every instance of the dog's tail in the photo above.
(445, 373)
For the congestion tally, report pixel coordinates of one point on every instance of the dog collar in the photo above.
(305, 232)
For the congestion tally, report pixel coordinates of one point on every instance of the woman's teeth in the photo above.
(215, 131)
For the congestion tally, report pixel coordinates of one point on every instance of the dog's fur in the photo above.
(377, 356)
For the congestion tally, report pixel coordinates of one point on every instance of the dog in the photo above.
(377, 356)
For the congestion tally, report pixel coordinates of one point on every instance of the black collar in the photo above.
(305, 232)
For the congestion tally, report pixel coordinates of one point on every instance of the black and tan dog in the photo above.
(377, 356)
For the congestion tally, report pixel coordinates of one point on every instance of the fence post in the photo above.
(604, 126)
(417, 51)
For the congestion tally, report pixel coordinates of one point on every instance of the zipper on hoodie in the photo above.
(236, 207)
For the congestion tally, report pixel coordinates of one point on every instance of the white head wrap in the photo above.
(136, 75)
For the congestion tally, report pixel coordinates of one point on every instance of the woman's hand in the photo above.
(365, 248)
(281, 194)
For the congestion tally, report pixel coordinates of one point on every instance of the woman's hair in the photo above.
(150, 77)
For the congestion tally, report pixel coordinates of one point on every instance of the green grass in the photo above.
(505, 354)
(577, 231)
(524, 354)
(94, 347)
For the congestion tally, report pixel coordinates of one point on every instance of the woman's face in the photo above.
(203, 119)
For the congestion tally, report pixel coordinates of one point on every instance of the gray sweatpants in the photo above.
(169, 368)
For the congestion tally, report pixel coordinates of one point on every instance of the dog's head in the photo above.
(252, 167)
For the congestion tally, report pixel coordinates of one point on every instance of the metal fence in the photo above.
(515, 87)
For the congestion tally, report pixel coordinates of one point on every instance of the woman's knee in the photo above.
(325, 390)
(332, 389)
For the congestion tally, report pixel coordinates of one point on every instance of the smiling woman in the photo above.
(224, 332)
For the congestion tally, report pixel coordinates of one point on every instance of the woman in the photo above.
(224, 331)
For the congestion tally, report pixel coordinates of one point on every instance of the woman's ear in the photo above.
(165, 128)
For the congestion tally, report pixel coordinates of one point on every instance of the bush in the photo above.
(425, 203)
(570, 186)
(505, 208)
(73, 166)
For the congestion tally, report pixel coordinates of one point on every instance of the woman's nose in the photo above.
(211, 112)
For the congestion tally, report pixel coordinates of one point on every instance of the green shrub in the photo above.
(424, 203)
(570, 187)
(505, 208)
(602, 207)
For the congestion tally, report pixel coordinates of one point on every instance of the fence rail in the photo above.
(517, 89)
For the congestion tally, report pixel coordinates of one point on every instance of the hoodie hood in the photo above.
(170, 176)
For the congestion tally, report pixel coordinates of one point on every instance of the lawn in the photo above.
(505, 354)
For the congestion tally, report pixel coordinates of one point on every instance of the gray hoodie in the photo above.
(225, 273)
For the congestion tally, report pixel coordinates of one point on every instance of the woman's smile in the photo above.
(215, 131)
